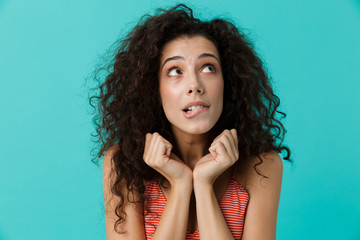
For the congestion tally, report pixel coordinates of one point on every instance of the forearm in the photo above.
(210, 219)
(173, 221)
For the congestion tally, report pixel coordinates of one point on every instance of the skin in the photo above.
(191, 71)
(191, 77)
(199, 175)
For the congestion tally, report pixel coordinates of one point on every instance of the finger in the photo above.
(215, 148)
(148, 137)
(220, 150)
(168, 147)
(212, 151)
(230, 137)
(165, 145)
(229, 145)
(234, 133)
(235, 136)
(152, 148)
(148, 144)
(158, 150)
(163, 148)
(218, 138)
(234, 148)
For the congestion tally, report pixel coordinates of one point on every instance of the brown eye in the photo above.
(209, 68)
(174, 72)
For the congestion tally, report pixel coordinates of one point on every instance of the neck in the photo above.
(191, 147)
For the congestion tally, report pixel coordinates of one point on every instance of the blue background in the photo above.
(50, 189)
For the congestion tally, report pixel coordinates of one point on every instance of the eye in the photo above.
(209, 68)
(174, 71)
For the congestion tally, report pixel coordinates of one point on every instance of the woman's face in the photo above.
(191, 84)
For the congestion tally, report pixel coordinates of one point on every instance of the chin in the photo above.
(196, 130)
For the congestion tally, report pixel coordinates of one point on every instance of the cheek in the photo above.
(168, 97)
(218, 92)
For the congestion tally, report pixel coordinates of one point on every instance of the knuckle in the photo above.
(161, 146)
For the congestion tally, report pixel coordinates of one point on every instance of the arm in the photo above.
(134, 224)
(173, 221)
(223, 154)
(261, 213)
(157, 154)
(211, 221)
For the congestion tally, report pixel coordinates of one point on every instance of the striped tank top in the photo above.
(233, 205)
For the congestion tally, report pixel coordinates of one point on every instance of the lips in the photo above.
(195, 103)
(193, 109)
(194, 113)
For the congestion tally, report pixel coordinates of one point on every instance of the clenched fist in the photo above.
(223, 154)
(157, 154)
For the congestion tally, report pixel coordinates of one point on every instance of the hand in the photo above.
(157, 154)
(223, 154)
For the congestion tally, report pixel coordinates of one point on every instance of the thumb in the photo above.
(168, 148)
(212, 151)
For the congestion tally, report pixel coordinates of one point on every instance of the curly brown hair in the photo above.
(129, 103)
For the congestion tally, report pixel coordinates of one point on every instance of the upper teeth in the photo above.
(194, 108)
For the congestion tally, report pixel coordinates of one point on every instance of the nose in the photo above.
(194, 85)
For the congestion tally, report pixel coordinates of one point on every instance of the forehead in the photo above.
(187, 46)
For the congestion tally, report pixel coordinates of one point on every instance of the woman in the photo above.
(187, 120)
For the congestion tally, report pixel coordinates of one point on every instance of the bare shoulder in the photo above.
(264, 193)
(133, 226)
(270, 165)
(108, 165)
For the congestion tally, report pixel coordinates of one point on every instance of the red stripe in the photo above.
(233, 205)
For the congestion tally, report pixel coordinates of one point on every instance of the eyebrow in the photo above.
(182, 58)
